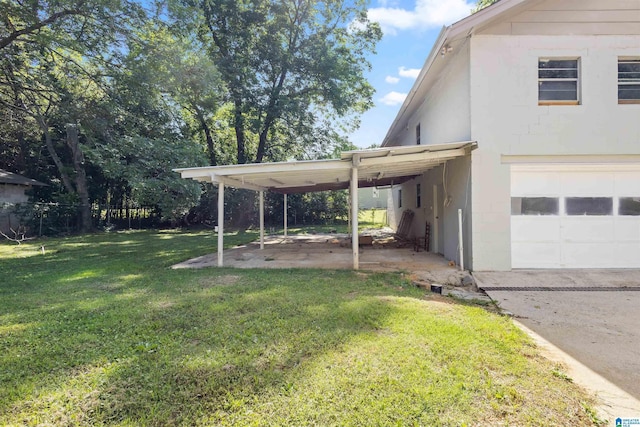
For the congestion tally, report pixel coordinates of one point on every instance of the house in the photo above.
(373, 197)
(12, 193)
(550, 91)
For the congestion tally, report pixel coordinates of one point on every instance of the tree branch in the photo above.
(40, 24)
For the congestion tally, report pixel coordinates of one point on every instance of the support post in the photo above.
(220, 223)
(354, 213)
(285, 214)
(261, 219)
(460, 240)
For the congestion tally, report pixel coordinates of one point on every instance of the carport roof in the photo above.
(376, 167)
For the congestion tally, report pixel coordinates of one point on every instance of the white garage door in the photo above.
(575, 216)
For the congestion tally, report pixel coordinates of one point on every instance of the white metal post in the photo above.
(460, 240)
(285, 214)
(220, 222)
(354, 214)
(261, 219)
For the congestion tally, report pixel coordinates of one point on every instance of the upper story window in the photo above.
(558, 81)
(418, 196)
(628, 80)
(418, 134)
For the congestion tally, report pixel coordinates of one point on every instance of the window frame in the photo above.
(577, 80)
(399, 198)
(418, 196)
(628, 82)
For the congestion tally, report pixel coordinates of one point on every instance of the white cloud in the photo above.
(411, 73)
(393, 98)
(426, 14)
(391, 79)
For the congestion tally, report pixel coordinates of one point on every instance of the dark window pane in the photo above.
(558, 63)
(629, 91)
(557, 74)
(589, 205)
(629, 66)
(629, 206)
(629, 76)
(558, 91)
(534, 206)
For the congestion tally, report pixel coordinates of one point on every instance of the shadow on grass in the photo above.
(98, 330)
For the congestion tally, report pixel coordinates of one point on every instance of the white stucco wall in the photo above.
(444, 116)
(507, 121)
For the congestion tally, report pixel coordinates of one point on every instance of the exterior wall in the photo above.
(444, 117)
(574, 17)
(456, 194)
(507, 121)
(9, 196)
(369, 198)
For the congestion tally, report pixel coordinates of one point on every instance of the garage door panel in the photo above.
(627, 255)
(588, 255)
(604, 239)
(587, 229)
(535, 229)
(627, 229)
(535, 255)
(588, 183)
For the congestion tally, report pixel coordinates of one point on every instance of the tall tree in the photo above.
(284, 62)
(49, 50)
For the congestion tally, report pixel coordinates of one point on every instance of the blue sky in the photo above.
(410, 28)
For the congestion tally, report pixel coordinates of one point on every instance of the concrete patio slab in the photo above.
(331, 252)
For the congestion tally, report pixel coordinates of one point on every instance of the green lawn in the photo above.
(99, 330)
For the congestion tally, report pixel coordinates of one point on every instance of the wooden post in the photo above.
(261, 219)
(285, 214)
(220, 223)
(354, 213)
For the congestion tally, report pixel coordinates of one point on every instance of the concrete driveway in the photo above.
(593, 315)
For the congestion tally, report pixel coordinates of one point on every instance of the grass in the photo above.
(367, 219)
(99, 331)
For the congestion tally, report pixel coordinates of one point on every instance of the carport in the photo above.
(355, 169)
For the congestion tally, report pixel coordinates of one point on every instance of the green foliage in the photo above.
(286, 65)
(99, 331)
(481, 4)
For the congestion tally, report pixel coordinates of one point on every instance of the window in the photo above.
(629, 206)
(418, 196)
(589, 206)
(628, 81)
(558, 82)
(534, 206)
(400, 197)
(418, 134)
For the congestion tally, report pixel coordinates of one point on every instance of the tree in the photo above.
(285, 63)
(484, 3)
(49, 50)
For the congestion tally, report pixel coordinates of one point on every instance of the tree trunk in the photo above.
(207, 133)
(84, 210)
(238, 123)
(44, 127)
